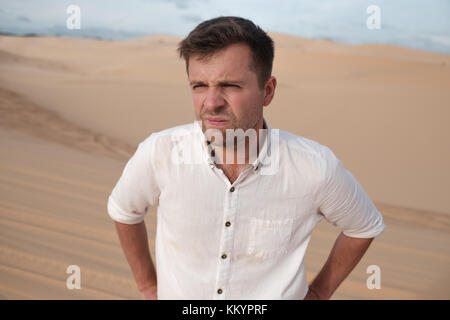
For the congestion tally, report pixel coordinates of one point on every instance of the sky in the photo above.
(421, 24)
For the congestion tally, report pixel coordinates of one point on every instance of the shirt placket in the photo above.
(227, 235)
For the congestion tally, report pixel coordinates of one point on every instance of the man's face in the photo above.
(225, 90)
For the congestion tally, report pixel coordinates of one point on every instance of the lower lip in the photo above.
(217, 123)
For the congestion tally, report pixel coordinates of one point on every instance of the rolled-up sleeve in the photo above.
(344, 203)
(137, 188)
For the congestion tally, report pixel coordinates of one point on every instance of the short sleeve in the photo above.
(345, 204)
(137, 188)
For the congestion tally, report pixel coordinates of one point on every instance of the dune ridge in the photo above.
(18, 113)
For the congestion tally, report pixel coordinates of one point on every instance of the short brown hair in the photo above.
(215, 34)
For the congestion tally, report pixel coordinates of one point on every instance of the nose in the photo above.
(213, 99)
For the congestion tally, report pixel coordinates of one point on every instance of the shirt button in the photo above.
(219, 291)
(228, 223)
(224, 256)
(232, 189)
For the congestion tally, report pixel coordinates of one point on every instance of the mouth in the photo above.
(217, 122)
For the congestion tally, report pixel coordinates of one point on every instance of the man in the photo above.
(229, 229)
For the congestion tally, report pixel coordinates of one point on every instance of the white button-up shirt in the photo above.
(246, 240)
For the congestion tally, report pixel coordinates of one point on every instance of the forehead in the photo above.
(233, 61)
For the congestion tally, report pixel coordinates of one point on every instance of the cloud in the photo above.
(23, 19)
(191, 18)
(182, 4)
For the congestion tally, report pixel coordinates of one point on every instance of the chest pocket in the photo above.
(269, 238)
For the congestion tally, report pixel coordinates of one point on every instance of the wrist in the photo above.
(147, 287)
(318, 293)
(149, 293)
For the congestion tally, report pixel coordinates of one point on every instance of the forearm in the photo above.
(344, 256)
(133, 238)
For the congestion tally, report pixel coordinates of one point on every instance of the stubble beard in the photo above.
(230, 141)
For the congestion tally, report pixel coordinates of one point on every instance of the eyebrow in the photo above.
(222, 82)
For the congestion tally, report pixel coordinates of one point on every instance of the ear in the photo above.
(269, 90)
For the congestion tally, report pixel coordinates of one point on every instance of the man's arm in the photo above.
(344, 256)
(133, 238)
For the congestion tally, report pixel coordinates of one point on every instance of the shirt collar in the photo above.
(257, 164)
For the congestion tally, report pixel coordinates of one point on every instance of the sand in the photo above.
(72, 111)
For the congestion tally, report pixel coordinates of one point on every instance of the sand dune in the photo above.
(73, 110)
(21, 114)
(52, 216)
